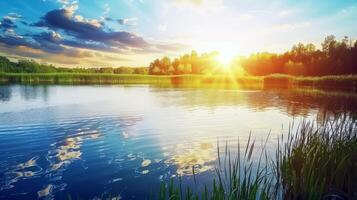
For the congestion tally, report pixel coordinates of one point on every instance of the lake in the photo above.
(101, 141)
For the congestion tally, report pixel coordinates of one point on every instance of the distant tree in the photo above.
(6, 65)
(141, 70)
(295, 68)
(329, 44)
(106, 70)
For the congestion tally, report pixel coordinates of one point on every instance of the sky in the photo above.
(113, 33)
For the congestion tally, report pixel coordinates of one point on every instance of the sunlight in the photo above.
(225, 58)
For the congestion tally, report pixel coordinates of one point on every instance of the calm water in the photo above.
(92, 141)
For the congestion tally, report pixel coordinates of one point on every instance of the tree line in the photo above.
(334, 58)
(193, 63)
(31, 66)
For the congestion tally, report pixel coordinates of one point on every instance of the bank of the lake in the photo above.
(337, 82)
(101, 78)
(342, 82)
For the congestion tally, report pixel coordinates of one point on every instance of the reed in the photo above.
(318, 161)
(342, 82)
(215, 81)
(337, 82)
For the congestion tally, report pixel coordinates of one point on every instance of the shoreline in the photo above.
(337, 83)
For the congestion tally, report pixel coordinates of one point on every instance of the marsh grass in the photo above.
(337, 82)
(342, 82)
(187, 80)
(317, 161)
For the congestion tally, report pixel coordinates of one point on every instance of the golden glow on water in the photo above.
(71, 148)
(199, 155)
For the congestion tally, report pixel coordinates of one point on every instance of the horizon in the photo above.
(70, 33)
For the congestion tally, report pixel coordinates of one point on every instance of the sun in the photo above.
(225, 58)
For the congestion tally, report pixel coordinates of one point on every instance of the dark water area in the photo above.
(101, 141)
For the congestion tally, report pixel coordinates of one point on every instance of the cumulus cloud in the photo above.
(49, 41)
(62, 32)
(86, 29)
(10, 40)
(8, 22)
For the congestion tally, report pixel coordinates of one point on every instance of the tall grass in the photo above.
(338, 82)
(342, 82)
(319, 162)
(315, 162)
(165, 80)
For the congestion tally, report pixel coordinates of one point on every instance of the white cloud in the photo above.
(12, 33)
(13, 16)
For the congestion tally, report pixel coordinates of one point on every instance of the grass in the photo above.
(342, 82)
(165, 80)
(319, 162)
(315, 162)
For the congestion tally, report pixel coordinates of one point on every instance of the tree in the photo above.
(329, 44)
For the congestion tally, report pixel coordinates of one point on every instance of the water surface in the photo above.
(92, 141)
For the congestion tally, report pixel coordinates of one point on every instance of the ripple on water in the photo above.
(21, 171)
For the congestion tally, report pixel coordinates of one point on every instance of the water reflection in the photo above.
(5, 93)
(21, 171)
(29, 92)
(69, 149)
(198, 155)
(297, 102)
(121, 140)
(64, 153)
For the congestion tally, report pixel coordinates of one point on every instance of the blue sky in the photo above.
(96, 33)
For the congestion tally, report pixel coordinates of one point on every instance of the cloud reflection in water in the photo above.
(200, 155)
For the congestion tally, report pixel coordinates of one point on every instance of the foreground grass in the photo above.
(342, 82)
(315, 162)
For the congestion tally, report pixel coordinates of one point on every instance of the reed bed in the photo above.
(215, 81)
(317, 161)
(338, 82)
(343, 82)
